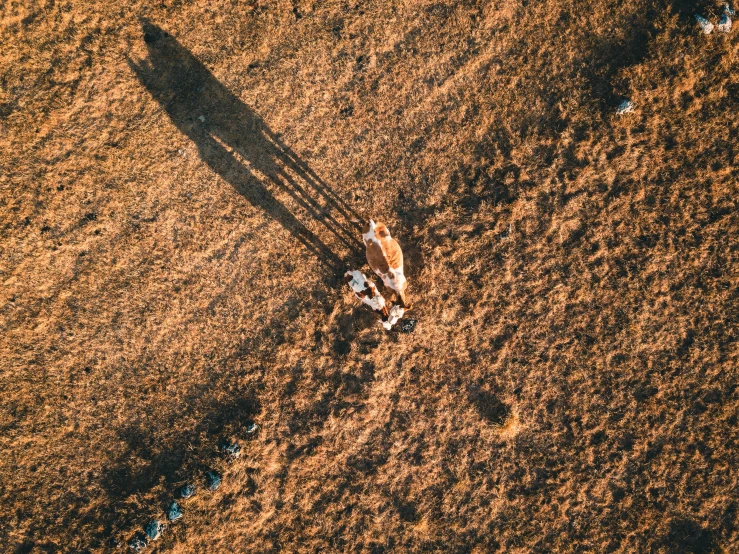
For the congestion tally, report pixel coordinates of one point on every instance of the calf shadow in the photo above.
(237, 145)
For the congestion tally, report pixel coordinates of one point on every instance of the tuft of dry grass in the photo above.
(177, 213)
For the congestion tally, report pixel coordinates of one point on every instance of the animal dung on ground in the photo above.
(213, 480)
(626, 106)
(154, 529)
(187, 491)
(137, 543)
(407, 325)
(705, 25)
(174, 512)
(231, 449)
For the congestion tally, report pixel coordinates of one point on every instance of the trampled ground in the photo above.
(179, 181)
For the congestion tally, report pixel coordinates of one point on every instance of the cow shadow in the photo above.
(162, 467)
(238, 146)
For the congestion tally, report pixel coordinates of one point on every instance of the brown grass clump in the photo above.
(180, 181)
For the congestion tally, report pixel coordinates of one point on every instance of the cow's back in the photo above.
(376, 258)
(393, 253)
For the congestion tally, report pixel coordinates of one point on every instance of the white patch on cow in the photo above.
(359, 283)
(398, 279)
(396, 312)
(394, 280)
(370, 235)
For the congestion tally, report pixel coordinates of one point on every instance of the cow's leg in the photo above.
(403, 300)
(384, 318)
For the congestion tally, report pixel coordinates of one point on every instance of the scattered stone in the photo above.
(626, 106)
(252, 428)
(705, 25)
(174, 512)
(187, 491)
(154, 530)
(407, 325)
(232, 449)
(213, 480)
(724, 24)
(728, 11)
(202, 118)
(138, 543)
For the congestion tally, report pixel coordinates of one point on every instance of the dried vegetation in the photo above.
(176, 217)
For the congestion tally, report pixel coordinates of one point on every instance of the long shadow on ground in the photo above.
(237, 144)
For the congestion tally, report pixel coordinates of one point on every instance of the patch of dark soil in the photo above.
(685, 536)
(489, 406)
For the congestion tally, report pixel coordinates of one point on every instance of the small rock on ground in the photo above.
(174, 512)
(187, 491)
(154, 530)
(626, 106)
(213, 480)
(705, 25)
(232, 449)
(138, 543)
(724, 24)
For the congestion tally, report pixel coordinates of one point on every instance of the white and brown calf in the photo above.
(366, 291)
(386, 259)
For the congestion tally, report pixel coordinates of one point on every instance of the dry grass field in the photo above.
(179, 182)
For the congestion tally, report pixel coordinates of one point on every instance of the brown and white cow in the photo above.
(385, 258)
(366, 291)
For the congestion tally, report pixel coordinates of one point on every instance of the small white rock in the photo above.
(627, 106)
(202, 117)
(724, 24)
(705, 25)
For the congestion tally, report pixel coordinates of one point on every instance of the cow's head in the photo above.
(376, 231)
(369, 225)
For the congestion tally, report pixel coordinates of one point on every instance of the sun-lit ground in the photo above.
(180, 183)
